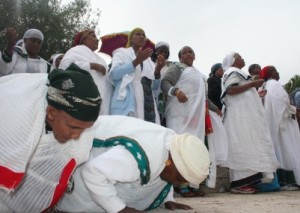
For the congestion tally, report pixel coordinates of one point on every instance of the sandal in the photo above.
(189, 192)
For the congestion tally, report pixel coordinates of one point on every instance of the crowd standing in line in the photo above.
(208, 123)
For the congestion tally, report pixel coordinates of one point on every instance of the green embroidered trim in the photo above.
(20, 52)
(134, 148)
(6, 57)
(160, 198)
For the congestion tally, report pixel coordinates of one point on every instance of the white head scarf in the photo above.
(228, 61)
(162, 43)
(190, 157)
(33, 33)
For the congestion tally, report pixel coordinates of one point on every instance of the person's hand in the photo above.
(181, 96)
(98, 67)
(173, 205)
(142, 55)
(11, 38)
(261, 92)
(160, 63)
(257, 83)
(129, 210)
(219, 112)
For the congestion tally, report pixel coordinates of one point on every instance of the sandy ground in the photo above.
(275, 202)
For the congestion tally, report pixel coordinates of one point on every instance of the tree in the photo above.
(292, 84)
(58, 22)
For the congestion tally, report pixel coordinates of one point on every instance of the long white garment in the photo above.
(22, 112)
(249, 142)
(123, 56)
(112, 176)
(284, 130)
(21, 64)
(26, 150)
(82, 56)
(217, 140)
(188, 117)
(47, 173)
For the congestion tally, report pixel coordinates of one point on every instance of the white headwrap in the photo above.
(33, 33)
(162, 43)
(190, 157)
(228, 61)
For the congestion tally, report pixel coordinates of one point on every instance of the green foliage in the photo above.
(58, 22)
(292, 84)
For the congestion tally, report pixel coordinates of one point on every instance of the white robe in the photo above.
(188, 117)
(122, 56)
(111, 178)
(82, 56)
(26, 148)
(20, 64)
(250, 147)
(284, 130)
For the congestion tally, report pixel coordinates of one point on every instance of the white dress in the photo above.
(250, 148)
(284, 130)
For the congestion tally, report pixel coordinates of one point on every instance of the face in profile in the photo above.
(91, 41)
(171, 175)
(239, 61)
(64, 126)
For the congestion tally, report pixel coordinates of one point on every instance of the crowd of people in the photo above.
(79, 135)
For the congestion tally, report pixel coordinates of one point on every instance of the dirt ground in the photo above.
(275, 202)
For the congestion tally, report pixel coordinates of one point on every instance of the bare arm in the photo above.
(234, 90)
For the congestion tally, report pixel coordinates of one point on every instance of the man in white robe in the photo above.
(185, 87)
(24, 58)
(46, 130)
(132, 166)
(251, 154)
(135, 77)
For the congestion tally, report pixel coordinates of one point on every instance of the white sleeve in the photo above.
(101, 174)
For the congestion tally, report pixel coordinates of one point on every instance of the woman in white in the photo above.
(251, 154)
(83, 55)
(283, 127)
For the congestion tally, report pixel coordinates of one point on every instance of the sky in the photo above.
(266, 32)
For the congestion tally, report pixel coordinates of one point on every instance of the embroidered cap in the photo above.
(190, 157)
(74, 91)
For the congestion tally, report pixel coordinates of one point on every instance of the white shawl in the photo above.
(125, 55)
(83, 56)
(188, 117)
